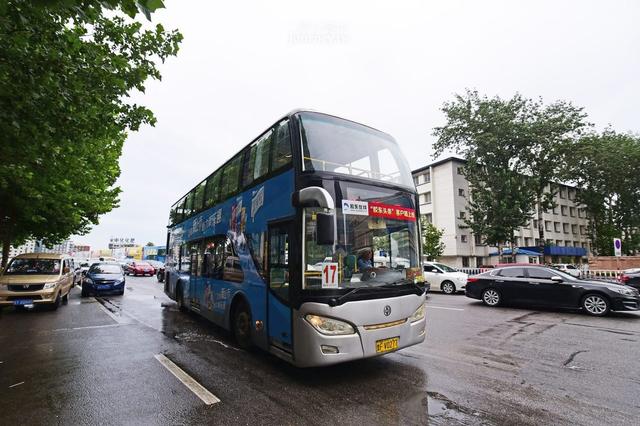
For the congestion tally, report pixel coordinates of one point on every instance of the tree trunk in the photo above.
(542, 242)
(6, 245)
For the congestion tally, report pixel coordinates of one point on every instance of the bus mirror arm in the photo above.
(313, 196)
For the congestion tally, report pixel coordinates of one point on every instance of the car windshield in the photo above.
(34, 266)
(377, 244)
(105, 269)
(445, 268)
(336, 145)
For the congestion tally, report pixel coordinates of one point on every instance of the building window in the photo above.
(567, 244)
(479, 262)
(428, 217)
(535, 223)
(571, 194)
(555, 210)
(565, 228)
(461, 192)
(462, 215)
(556, 226)
(572, 211)
(563, 193)
(477, 239)
(528, 242)
(559, 243)
(576, 243)
(415, 180)
(585, 246)
(574, 229)
(581, 213)
(460, 170)
(465, 261)
(547, 225)
(583, 230)
(421, 199)
(427, 197)
(463, 238)
(563, 209)
(427, 176)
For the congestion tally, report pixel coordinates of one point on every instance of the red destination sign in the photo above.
(391, 212)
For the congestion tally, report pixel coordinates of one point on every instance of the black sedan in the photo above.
(103, 278)
(541, 286)
(631, 277)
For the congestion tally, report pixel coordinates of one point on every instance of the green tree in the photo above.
(65, 78)
(432, 245)
(604, 166)
(512, 148)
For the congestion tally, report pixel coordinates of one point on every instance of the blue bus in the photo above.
(277, 245)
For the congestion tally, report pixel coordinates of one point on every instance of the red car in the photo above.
(140, 268)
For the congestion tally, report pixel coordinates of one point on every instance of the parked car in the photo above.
(568, 269)
(543, 286)
(140, 268)
(106, 277)
(631, 277)
(444, 278)
(37, 279)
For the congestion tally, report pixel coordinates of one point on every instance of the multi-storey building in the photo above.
(443, 192)
(28, 247)
(65, 247)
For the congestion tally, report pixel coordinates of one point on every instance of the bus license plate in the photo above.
(386, 345)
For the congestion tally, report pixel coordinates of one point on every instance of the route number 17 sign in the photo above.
(330, 275)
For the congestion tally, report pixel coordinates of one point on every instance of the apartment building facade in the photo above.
(443, 192)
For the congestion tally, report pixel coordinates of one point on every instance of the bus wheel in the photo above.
(180, 298)
(242, 325)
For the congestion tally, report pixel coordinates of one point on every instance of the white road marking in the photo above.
(195, 387)
(442, 307)
(17, 384)
(88, 327)
(108, 312)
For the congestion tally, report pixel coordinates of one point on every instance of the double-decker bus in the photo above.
(304, 244)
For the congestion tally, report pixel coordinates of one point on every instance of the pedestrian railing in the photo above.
(594, 274)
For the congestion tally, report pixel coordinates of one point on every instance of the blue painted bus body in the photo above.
(238, 218)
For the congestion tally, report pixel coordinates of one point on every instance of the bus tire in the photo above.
(242, 324)
(180, 297)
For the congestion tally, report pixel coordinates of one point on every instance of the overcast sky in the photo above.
(387, 64)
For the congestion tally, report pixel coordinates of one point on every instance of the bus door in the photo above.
(278, 296)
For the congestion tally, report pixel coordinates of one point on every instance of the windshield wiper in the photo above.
(336, 300)
(405, 281)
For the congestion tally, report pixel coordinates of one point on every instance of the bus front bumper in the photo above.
(313, 349)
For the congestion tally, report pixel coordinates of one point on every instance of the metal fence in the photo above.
(593, 274)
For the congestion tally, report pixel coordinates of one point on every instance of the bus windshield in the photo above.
(336, 145)
(370, 250)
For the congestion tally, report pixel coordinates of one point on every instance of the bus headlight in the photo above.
(329, 326)
(418, 314)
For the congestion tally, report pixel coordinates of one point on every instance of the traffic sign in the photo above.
(617, 247)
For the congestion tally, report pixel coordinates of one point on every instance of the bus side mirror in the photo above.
(324, 230)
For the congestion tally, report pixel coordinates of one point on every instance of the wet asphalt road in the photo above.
(92, 362)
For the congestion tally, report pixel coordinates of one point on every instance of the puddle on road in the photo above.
(190, 336)
(442, 410)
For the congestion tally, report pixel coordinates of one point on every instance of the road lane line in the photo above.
(442, 307)
(17, 384)
(88, 327)
(195, 387)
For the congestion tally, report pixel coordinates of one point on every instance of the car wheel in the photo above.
(56, 304)
(448, 287)
(121, 292)
(84, 293)
(491, 297)
(596, 305)
(159, 277)
(242, 325)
